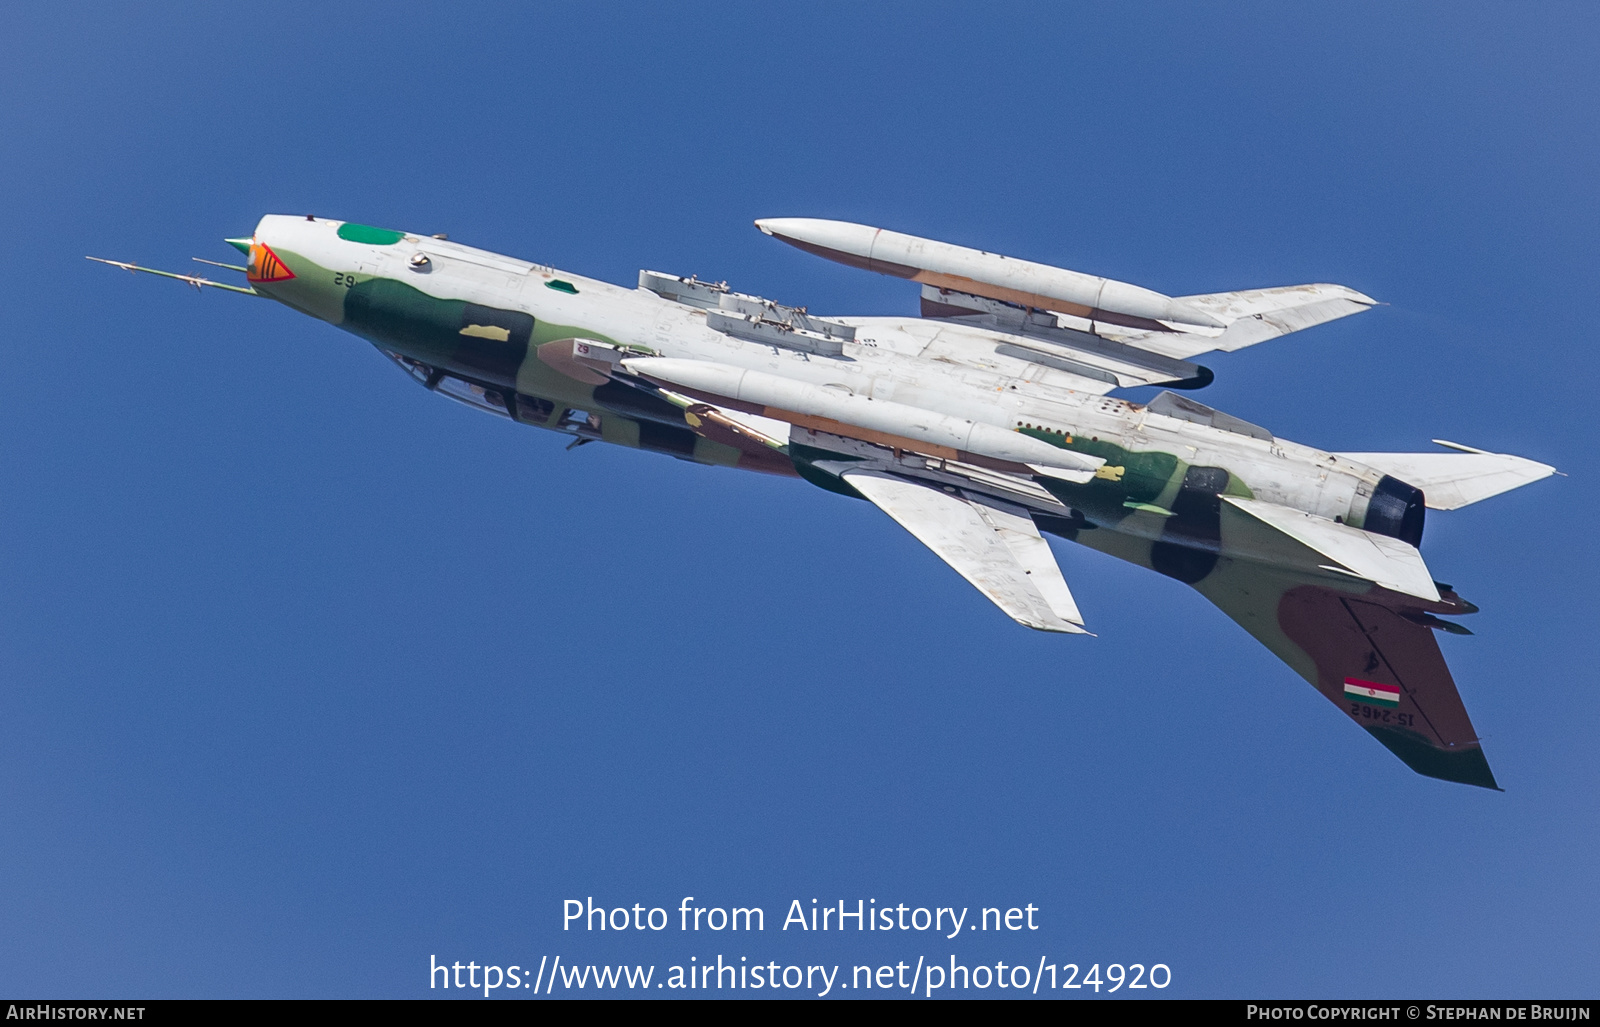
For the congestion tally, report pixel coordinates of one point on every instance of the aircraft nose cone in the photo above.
(242, 245)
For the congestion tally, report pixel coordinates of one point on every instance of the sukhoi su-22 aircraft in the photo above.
(979, 427)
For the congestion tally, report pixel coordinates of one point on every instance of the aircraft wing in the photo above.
(1250, 316)
(993, 544)
(1099, 328)
(1371, 653)
(1256, 315)
(1123, 356)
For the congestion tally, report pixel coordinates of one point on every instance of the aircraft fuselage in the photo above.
(976, 427)
(470, 323)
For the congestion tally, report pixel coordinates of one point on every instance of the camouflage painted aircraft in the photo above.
(979, 427)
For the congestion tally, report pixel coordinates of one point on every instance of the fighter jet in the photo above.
(980, 427)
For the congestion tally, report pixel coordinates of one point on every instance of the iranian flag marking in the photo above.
(1371, 693)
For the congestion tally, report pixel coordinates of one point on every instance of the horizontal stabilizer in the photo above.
(1385, 561)
(992, 544)
(1450, 481)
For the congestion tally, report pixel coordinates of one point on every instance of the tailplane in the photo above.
(1453, 480)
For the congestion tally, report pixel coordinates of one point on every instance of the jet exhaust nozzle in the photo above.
(1397, 510)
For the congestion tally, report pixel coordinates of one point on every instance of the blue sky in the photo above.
(307, 675)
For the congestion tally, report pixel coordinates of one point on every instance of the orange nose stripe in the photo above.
(265, 265)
